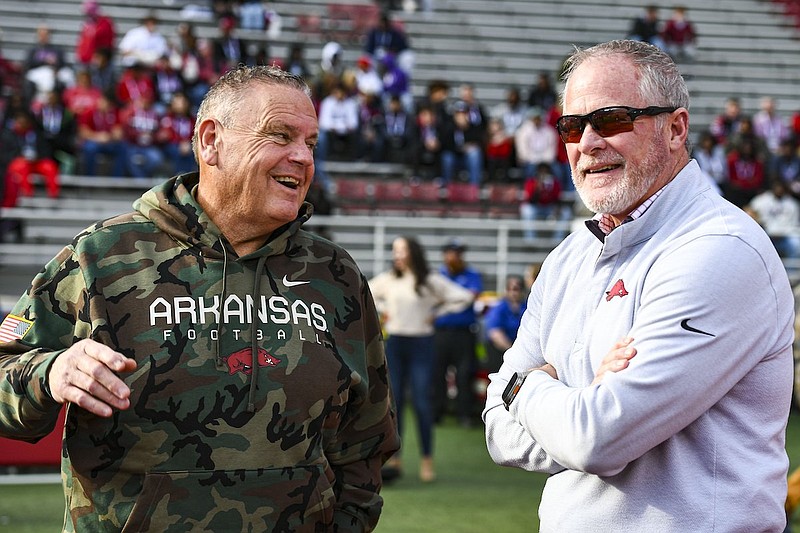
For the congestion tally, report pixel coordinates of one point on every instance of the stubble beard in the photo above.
(620, 196)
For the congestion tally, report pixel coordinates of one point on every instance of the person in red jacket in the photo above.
(680, 38)
(745, 174)
(542, 201)
(175, 134)
(97, 32)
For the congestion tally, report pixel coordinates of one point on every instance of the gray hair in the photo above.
(660, 81)
(223, 98)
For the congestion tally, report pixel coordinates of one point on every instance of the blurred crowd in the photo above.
(126, 107)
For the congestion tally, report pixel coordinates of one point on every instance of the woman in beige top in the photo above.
(410, 297)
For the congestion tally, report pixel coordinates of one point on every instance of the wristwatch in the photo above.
(514, 384)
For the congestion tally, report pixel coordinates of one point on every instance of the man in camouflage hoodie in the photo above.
(222, 368)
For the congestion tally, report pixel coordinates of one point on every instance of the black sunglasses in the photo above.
(606, 121)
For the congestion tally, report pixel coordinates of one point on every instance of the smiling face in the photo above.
(255, 172)
(615, 174)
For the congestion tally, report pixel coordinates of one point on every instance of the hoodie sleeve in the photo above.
(368, 432)
(43, 323)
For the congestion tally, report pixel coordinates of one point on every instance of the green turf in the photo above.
(471, 494)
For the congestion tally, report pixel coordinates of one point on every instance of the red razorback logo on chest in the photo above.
(242, 361)
(617, 290)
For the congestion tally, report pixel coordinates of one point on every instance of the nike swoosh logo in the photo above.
(288, 283)
(685, 325)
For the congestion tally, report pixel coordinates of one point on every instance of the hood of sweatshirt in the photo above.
(172, 207)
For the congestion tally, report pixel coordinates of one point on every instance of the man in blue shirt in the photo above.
(456, 337)
(502, 321)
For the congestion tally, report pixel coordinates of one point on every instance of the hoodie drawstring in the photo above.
(219, 362)
(254, 338)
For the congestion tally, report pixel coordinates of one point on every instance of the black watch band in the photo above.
(513, 387)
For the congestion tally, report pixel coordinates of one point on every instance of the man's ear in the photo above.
(679, 129)
(207, 142)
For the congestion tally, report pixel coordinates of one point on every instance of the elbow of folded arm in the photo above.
(594, 456)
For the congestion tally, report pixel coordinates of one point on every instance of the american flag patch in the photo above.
(13, 328)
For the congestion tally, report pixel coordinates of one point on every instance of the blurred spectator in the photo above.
(385, 38)
(338, 123)
(143, 44)
(140, 124)
(647, 27)
(779, 214)
(97, 31)
(103, 73)
(296, 62)
(100, 132)
(45, 69)
(10, 229)
(427, 145)
(436, 100)
(175, 135)
(462, 146)
(456, 338)
(475, 111)
(395, 82)
(30, 153)
(10, 78)
(680, 38)
(795, 127)
(785, 167)
(371, 138)
(367, 79)
(499, 151)
(338, 129)
(331, 70)
(542, 201)
(535, 142)
(13, 104)
(711, 158)
(257, 15)
(560, 166)
(399, 132)
(167, 82)
(771, 128)
(502, 321)
(745, 174)
(542, 94)
(59, 129)
(512, 112)
(207, 70)
(136, 81)
(44, 52)
(229, 50)
(746, 133)
(83, 95)
(186, 55)
(727, 122)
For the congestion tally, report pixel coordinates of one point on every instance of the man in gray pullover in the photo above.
(652, 372)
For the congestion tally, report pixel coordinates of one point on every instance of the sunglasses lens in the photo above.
(570, 129)
(611, 122)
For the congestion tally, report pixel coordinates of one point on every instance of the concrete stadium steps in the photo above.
(747, 48)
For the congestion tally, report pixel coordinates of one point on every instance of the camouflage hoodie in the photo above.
(201, 447)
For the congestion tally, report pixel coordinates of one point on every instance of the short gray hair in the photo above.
(660, 81)
(224, 96)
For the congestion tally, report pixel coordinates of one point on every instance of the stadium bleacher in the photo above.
(747, 48)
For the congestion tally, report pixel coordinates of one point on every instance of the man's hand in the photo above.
(617, 359)
(85, 374)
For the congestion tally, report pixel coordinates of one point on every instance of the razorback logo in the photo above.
(617, 290)
(242, 361)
